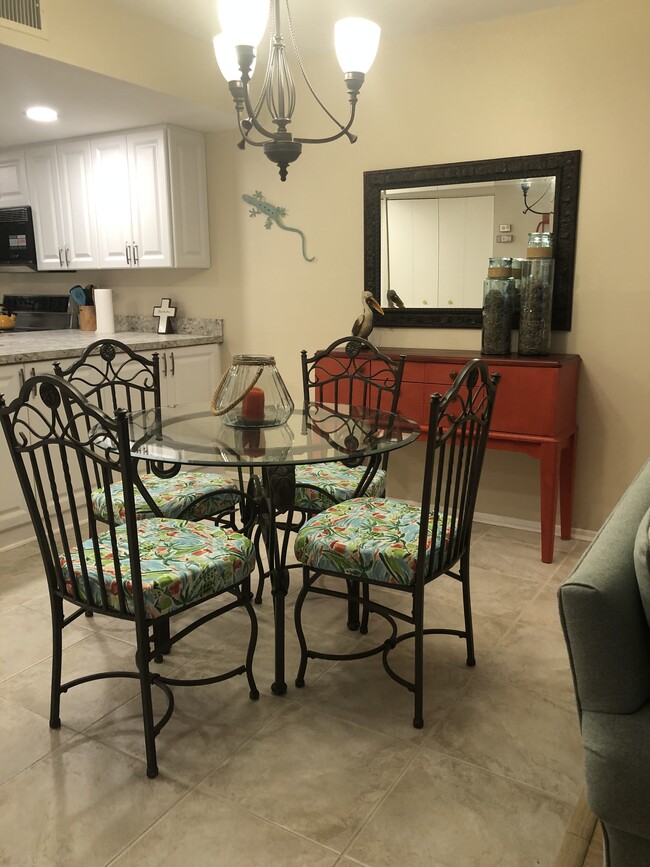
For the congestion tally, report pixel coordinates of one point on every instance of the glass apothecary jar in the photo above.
(517, 270)
(500, 267)
(497, 315)
(252, 393)
(535, 307)
(540, 245)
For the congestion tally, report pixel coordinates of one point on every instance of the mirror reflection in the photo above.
(436, 240)
(430, 231)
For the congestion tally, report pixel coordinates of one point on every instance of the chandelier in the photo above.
(243, 23)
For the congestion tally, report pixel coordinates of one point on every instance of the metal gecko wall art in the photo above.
(274, 214)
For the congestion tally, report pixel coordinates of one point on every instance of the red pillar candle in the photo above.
(253, 405)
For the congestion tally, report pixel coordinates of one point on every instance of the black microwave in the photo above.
(17, 245)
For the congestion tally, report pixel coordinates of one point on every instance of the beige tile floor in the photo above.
(333, 774)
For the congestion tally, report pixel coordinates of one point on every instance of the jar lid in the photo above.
(500, 267)
(540, 239)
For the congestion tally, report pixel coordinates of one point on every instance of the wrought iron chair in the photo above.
(144, 570)
(351, 371)
(110, 375)
(401, 547)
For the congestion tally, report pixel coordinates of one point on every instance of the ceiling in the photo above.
(92, 103)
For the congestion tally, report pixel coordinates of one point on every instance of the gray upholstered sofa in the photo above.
(608, 638)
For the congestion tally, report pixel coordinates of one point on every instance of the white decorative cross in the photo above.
(166, 312)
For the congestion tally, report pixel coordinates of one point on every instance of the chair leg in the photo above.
(160, 639)
(297, 616)
(365, 613)
(418, 680)
(467, 608)
(142, 662)
(56, 604)
(353, 605)
(246, 601)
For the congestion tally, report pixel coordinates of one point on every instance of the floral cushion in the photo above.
(337, 480)
(181, 562)
(172, 496)
(369, 538)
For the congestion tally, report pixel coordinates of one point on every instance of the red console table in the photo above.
(534, 413)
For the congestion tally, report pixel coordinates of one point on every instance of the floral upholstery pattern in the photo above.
(181, 562)
(337, 480)
(172, 496)
(369, 538)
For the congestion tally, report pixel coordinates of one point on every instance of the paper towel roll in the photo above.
(104, 305)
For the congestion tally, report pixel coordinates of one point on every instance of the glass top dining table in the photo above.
(190, 435)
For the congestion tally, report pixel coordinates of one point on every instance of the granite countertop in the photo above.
(16, 348)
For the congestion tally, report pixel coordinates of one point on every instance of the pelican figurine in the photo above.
(393, 299)
(363, 324)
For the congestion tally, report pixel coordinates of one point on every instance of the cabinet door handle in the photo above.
(128, 253)
(21, 377)
(453, 374)
(164, 364)
(67, 256)
(61, 256)
(173, 363)
(136, 257)
(32, 372)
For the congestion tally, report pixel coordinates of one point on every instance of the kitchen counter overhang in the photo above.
(18, 348)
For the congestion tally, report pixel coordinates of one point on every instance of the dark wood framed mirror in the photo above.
(452, 217)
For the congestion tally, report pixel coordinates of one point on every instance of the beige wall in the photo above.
(574, 78)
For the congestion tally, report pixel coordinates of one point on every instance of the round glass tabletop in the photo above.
(190, 434)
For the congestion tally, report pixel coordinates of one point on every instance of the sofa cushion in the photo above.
(642, 562)
(617, 768)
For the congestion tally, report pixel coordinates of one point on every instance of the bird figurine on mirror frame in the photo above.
(364, 323)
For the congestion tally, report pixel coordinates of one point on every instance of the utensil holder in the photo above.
(87, 318)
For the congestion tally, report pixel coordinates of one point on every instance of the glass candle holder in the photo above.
(497, 315)
(252, 393)
(536, 307)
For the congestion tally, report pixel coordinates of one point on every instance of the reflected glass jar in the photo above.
(500, 267)
(252, 393)
(540, 245)
(535, 307)
(497, 315)
(517, 266)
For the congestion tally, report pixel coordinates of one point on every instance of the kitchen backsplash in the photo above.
(195, 325)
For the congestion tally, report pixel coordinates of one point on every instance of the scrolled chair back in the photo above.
(352, 372)
(60, 446)
(459, 424)
(110, 375)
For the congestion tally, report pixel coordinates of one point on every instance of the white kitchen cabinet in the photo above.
(13, 179)
(15, 523)
(189, 198)
(189, 374)
(151, 199)
(62, 195)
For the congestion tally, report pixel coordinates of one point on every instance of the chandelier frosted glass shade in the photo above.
(244, 21)
(264, 121)
(356, 41)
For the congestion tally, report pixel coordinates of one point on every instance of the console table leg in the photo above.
(549, 471)
(567, 474)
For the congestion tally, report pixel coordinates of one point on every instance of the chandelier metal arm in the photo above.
(345, 130)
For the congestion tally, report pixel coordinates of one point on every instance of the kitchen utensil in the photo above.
(77, 294)
(89, 291)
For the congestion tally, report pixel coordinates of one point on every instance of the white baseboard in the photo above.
(533, 526)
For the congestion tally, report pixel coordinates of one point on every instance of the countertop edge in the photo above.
(61, 344)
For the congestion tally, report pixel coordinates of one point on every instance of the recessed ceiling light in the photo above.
(41, 113)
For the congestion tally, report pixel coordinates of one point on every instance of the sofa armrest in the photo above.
(604, 624)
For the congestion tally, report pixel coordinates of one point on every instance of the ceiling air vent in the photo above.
(25, 12)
